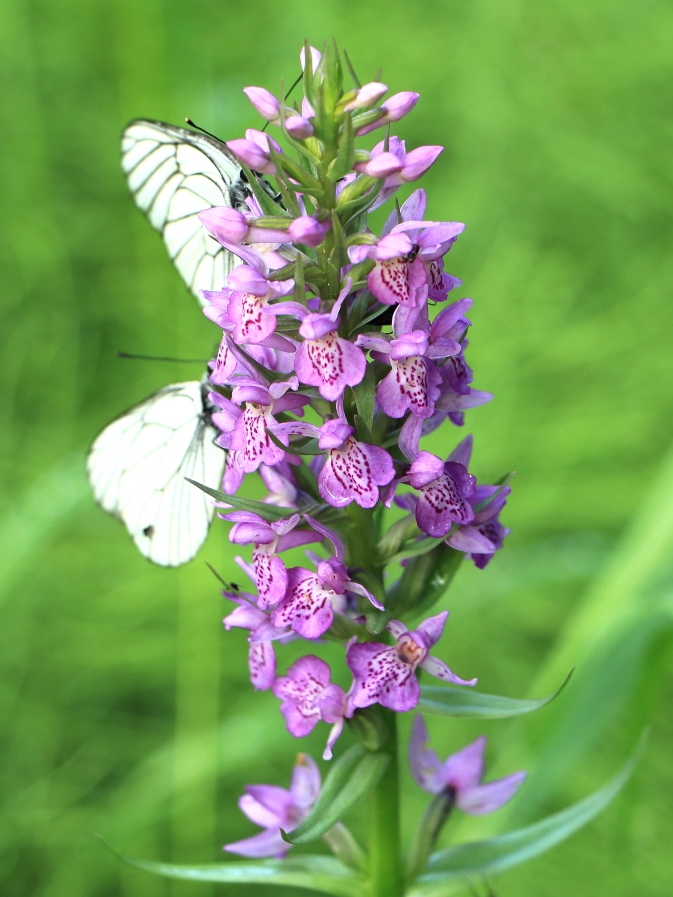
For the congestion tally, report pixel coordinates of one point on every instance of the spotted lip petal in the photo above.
(330, 363)
(354, 472)
(307, 607)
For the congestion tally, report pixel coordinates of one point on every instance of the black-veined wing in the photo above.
(137, 467)
(173, 175)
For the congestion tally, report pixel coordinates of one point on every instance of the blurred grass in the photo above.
(126, 710)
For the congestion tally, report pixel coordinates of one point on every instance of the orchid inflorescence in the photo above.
(332, 368)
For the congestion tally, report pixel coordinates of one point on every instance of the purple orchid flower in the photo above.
(385, 674)
(307, 696)
(244, 431)
(485, 535)
(275, 808)
(445, 488)
(460, 774)
(312, 598)
(269, 540)
(352, 470)
(401, 257)
(414, 381)
(245, 307)
(326, 360)
(261, 656)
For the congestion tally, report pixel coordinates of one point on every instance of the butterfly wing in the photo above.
(137, 468)
(173, 174)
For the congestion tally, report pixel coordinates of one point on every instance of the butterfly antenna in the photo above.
(203, 130)
(160, 358)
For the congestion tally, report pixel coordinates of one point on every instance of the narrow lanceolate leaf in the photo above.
(365, 397)
(465, 861)
(266, 512)
(317, 873)
(352, 776)
(443, 700)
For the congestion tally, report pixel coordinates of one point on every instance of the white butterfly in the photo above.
(138, 464)
(173, 175)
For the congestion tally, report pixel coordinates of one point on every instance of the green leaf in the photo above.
(400, 532)
(494, 855)
(318, 873)
(350, 778)
(442, 700)
(345, 157)
(365, 394)
(424, 581)
(268, 205)
(266, 512)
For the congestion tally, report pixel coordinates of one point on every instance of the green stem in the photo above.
(385, 850)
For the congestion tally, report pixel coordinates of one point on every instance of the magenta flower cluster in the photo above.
(341, 350)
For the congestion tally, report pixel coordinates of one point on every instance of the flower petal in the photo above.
(425, 765)
(491, 796)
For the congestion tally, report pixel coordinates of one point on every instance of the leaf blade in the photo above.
(352, 776)
(318, 873)
(440, 700)
(266, 512)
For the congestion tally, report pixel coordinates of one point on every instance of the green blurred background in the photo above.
(126, 710)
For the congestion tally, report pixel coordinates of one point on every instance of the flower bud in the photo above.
(308, 230)
(381, 166)
(316, 56)
(306, 109)
(367, 95)
(417, 162)
(394, 109)
(225, 224)
(264, 102)
(299, 127)
(251, 154)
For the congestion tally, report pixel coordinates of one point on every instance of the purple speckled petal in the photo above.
(251, 441)
(270, 576)
(330, 363)
(491, 796)
(353, 473)
(413, 384)
(300, 692)
(438, 668)
(307, 606)
(441, 504)
(395, 280)
(262, 665)
(225, 364)
(425, 765)
(381, 676)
